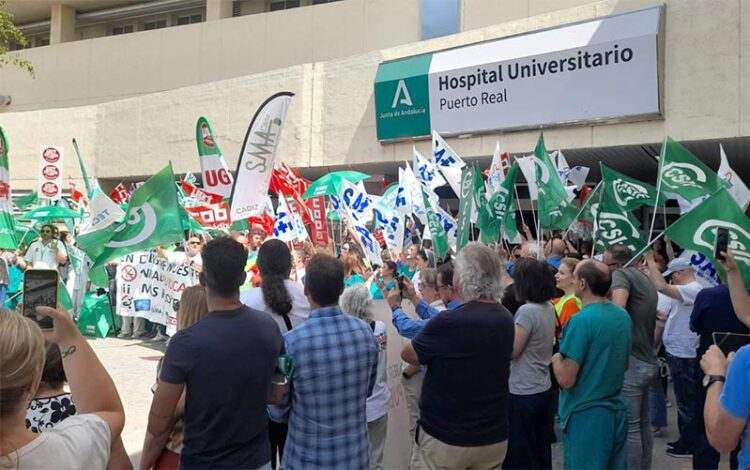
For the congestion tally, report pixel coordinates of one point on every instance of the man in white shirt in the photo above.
(45, 253)
(680, 344)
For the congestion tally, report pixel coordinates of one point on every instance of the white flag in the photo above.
(737, 187)
(284, 229)
(404, 200)
(425, 172)
(561, 164)
(100, 213)
(577, 176)
(447, 161)
(392, 225)
(527, 166)
(257, 156)
(497, 170)
(449, 223)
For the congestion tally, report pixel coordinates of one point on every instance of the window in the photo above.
(155, 24)
(189, 19)
(284, 4)
(440, 18)
(122, 29)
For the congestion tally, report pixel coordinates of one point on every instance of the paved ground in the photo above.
(132, 364)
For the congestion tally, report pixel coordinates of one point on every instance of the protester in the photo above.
(82, 440)
(530, 409)
(529, 249)
(51, 403)
(285, 301)
(463, 410)
(336, 363)
(409, 265)
(428, 288)
(427, 247)
(590, 369)
(353, 270)
(224, 363)
(409, 327)
(191, 309)
(383, 280)
(357, 302)
(680, 345)
(422, 263)
(45, 253)
(712, 312)
(15, 276)
(634, 291)
(727, 408)
(298, 266)
(569, 304)
(7, 259)
(556, 250)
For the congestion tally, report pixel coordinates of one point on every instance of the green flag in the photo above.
(696, 230)
(592, 202)
(439, 237)
(7, 223)
(613, 226)
(628, 193)
(501, 211)
(153, 218)
(555, 212)
(682, 173)
(464, 206)
(479, 199)
(23, 202)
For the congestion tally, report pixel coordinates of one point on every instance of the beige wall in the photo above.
(113, 67)
(332, 119)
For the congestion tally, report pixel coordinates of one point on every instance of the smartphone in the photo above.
(40, 289)
(721, 243)
(730, 342)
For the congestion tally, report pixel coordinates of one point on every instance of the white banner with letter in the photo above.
(149, 286)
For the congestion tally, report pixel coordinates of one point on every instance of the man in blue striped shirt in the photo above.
(335, 367)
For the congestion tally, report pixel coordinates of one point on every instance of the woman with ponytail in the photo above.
(285, 301)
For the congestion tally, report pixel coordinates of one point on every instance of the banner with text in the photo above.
(149, 286)
(601, 69)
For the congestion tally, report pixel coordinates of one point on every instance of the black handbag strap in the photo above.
(287, 322)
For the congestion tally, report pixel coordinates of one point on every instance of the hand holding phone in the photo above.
(730, 342)
(721, 243)
(40, 290)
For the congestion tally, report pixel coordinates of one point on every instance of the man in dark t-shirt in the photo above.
(224, 363)
(467, 350)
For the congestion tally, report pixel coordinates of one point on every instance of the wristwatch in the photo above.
(710, 379)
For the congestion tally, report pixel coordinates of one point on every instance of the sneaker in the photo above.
(160, 337)
(674, 444)
(140, 334)
(123, 335)
(679, 452)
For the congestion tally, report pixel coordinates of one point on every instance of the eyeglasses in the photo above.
(46, 231)
(441, 286)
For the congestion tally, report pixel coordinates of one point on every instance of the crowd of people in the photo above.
(279, 361)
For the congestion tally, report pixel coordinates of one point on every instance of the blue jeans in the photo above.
(635, 387)
(657, 397)
(684, 372)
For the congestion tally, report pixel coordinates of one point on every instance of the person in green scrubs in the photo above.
(590, 369)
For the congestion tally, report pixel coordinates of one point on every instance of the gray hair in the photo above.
(357, 302)
(478, 271)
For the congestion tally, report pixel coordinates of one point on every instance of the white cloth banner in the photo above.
(284, 229)
(256, 160)
(527, 166)
(149, 286)
(50, 172)
(392, 225)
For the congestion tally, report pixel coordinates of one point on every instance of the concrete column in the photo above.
(218, 9)
(62, 26)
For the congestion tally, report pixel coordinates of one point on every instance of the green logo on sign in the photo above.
(402, 100)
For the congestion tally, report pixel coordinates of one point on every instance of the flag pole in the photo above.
(583, 207)
(658, 190)
(538, 237)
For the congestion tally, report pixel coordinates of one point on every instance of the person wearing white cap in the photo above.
(680, 344)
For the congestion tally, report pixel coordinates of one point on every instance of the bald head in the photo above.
(558, 247)
(596, 279)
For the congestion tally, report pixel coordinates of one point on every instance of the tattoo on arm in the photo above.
(69, 352)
